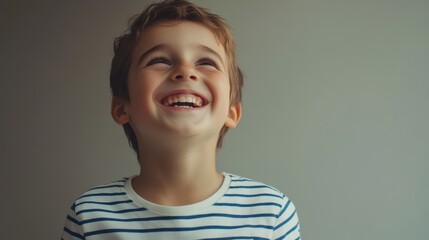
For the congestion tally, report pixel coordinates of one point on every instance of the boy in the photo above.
(176, 91)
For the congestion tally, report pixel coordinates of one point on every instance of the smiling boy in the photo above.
(176, 91)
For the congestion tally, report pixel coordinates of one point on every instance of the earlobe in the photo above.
(119, 112)
(234, 116)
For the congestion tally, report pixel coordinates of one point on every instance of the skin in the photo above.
(177, 145)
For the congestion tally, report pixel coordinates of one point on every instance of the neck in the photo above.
(177, 174)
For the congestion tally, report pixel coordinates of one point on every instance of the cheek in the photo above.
(220, 86)
(217, 78)
(223, 86)
(144, 85)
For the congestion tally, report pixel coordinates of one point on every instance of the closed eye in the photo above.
(158, 60)
(207, 61)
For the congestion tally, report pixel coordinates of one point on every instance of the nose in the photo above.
(184, 72)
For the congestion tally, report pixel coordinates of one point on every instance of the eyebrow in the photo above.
(149, 51)
(209, 50)
(164, 46)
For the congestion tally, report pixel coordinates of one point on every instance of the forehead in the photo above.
(181, 35)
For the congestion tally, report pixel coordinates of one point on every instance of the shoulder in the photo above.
(268, 199)
(256, 191)
(105, 195)
(92, 204)
(238, 182)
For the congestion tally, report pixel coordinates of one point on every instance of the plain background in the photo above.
(335, 111)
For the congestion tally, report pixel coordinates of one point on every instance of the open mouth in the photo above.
(183, 101)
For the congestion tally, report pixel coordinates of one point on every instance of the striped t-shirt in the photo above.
(240, 209)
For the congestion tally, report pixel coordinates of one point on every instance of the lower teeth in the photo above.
(183, 106)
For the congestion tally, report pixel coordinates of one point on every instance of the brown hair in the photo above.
(171, 10)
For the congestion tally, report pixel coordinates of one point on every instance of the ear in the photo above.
(119, 111)
(234, 116)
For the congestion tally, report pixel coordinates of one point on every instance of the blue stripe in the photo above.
(253, 195)
(241, 180)
(288, 232)
(108, 186)
(238, 237)
(71, 219)
(104, 203)
(77, 235)
(103, 194)
(285, 221)
(248, 205)
(170, 218)
(253, 186)
(188, 229)
(111, 211)
(284, 208)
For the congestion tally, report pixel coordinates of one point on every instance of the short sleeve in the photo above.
(72, 228)
(287, 226)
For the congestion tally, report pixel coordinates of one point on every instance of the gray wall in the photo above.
(335, 111)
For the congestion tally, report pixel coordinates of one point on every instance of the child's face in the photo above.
(179, 84)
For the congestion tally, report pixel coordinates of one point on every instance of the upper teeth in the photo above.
(192, 99)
